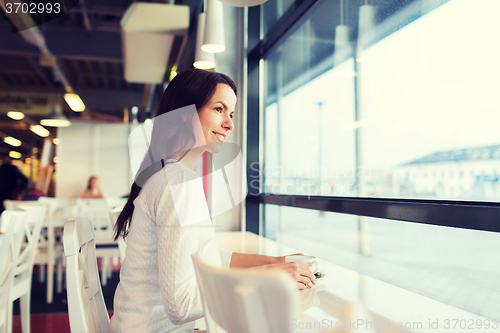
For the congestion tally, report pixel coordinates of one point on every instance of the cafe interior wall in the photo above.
(93, 149)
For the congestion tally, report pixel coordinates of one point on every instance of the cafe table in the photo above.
(346, 301)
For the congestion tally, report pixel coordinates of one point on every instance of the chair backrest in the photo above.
(245, 301)
(35, 216)
(86, 308)
(65, 206)
(12, 226)
(51, 203)
(97, 210)
(37, 212)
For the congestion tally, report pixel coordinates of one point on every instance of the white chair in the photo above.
(86, 308)
(23, 270)
(49, 251)
(245, 301)
(12, 226)
(97, 210)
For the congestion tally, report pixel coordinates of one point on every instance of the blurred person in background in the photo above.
(12, 181)
(93, 190)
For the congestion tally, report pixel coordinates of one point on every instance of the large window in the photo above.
(386, 110)
(423, 105)
(456, 266)
(273, 11)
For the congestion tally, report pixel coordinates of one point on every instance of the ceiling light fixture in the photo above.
(367, 15)
(213, 40)
(75, 102)
(15, 154)
(366, 25)
(16, 115)
(343, 48)
(202, 59)
(40, 130)
(12, 141)
(56, 118)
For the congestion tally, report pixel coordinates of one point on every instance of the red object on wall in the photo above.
(205, 174)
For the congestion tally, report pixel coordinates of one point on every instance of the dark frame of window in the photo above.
(473, 215)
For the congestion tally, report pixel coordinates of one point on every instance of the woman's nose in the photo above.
(228, 124)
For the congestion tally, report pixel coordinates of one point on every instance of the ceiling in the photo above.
(86, 42)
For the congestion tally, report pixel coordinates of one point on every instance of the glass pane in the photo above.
(272, 11)
(456, 266)
(297, 154)
(309, 114)
(430, 105)
(413, 116)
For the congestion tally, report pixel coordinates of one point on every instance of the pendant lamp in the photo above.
(56, 118)
(213, 40)
(243, 3)
(342, 42)
(343, 48)
(367, 16)
(202, 59)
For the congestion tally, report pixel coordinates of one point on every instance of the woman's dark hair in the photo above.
(192, 86)
(90, 181)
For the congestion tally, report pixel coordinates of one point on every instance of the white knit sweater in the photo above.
(158, 291)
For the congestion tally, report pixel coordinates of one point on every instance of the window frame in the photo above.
(474, 215)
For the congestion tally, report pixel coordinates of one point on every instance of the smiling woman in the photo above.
(215, 117)
(166, 218)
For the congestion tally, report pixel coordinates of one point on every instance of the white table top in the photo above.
(361, 303)
(60, 218)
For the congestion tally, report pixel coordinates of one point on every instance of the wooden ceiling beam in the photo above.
(4, 81)
(104, 117)
(67, 72)
(13, 125)
(41, 72)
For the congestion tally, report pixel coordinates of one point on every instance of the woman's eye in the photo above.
(218, 109)
(231, 115)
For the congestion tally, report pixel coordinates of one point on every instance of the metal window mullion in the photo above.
(483, 216)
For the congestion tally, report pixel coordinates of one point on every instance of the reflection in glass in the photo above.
(412, 114)
(456, 266)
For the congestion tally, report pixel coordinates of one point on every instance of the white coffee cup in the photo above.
(309, 261)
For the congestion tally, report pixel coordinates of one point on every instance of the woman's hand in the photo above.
(282, 258)
(301, 274)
